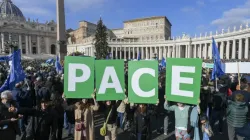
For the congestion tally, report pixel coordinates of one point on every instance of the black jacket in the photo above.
(113, 115)
(44, 123)
(5, 117)
(142, 125)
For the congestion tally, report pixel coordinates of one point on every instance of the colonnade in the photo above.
(229, 49)
(231, 45)
(26, 43)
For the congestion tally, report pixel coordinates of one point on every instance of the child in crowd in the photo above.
(206, 128)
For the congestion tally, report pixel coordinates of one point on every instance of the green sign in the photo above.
(109, 80)
(143, 82)
(78, 77)
(183, 79)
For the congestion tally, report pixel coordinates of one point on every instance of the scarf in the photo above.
(194, 123)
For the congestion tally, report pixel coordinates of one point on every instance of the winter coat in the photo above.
(142, 125)
(84, 116)
(5, 116)
(236, 113)
(44, 122)
(88, 122)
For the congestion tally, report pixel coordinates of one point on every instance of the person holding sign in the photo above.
(181, 119)
(110, 114)
(84, 122)
(142, 127)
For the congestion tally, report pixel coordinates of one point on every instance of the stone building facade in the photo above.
(141, 29)
(233, 43)
(31, 36)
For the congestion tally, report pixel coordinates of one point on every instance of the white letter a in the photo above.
(110, 72)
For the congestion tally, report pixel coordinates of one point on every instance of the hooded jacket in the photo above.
(236, 114)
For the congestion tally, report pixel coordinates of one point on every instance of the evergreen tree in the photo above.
(101, 44)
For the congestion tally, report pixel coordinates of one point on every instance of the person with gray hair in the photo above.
(8, 117)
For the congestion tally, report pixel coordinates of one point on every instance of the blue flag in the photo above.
(217, 69)
(108, 56)
(16, 72)
(163, 62)
(49, 61)
(139, 56)
(58, 65)
(4, 58)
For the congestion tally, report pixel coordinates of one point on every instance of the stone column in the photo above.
(195, 51)
(159, 52)
(125, 52)
(228, 49)
(151, 52)
(200, 51)
(2, 42)
(147, 53)
(174, 51)
(129, 53)
(38, 45)
(120, 52)
(205, 51)
(20, 43)
(210, 50)
(112, 49)
(116, 52)
(169, 52)
(133, 53)
(222, 50)
(246, 47)
(186, 51)
(61, 28)
(165, 52)
(240, 49)
(142, 53)
(26, 44)
(179, 51)
(234, 49)
(30, 45)
(189, 51)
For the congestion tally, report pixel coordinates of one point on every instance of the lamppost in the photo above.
(10, 46)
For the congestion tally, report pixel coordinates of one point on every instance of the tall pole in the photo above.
(61, 29)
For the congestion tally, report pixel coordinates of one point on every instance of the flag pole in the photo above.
(238, 67)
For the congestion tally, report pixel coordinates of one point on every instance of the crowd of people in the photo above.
(37, 109)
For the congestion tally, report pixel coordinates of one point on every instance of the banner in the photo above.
(183, 79)
(109, 80)
(78, 77)
(143, 82)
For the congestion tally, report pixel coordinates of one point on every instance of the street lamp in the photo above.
(10, 46)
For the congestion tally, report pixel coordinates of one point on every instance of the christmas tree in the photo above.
(101, 44)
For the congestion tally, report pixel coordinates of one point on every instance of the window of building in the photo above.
(4, 23)
(22, 25)
(52, 29)
(41, 28)
(34, 44)
(156, 25)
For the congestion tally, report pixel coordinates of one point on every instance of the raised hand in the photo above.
(13, 119)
